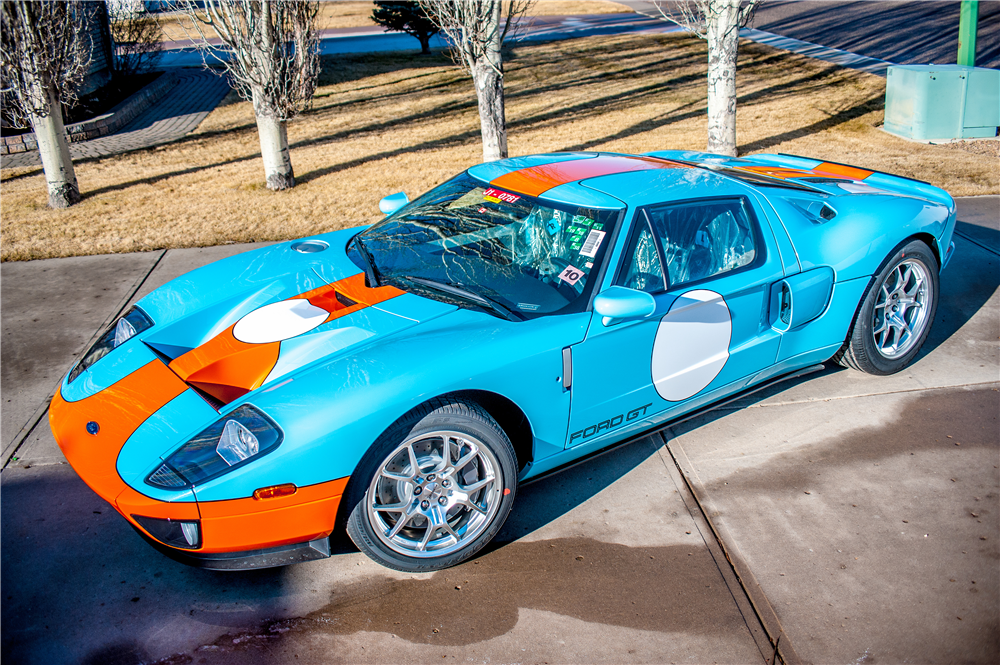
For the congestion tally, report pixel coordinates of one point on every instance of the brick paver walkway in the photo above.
(178, 112)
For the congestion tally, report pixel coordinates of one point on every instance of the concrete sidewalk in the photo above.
(856, 517)
(178, 113)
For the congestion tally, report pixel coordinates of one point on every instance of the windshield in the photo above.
(478, 246)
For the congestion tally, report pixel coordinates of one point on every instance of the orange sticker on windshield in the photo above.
(497, 195)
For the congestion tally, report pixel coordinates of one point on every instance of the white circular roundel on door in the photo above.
(692, 344)
(279, 321)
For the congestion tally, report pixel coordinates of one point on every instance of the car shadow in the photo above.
(967, 284)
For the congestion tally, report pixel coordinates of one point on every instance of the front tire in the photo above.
(434, 488)
(896, 314)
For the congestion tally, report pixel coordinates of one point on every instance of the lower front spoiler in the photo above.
(272, 557)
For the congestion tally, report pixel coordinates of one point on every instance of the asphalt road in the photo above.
(907, 33)
(857, 517)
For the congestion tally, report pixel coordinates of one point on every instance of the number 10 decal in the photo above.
(571, 275)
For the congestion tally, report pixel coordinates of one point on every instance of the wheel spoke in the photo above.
(414, 463)
(451, 532)
(428, 533)
(469, 489)
(392, 507)
(475, 506)
(395, 476)
(403, 520)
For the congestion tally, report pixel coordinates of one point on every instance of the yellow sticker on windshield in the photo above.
(497, 195)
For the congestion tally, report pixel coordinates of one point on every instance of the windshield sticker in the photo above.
(552, 226)
(571, 275)
(592, 244)
(527, 306)
(497, 196)
(590, 264)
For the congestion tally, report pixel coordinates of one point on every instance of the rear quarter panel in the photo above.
(864, 232)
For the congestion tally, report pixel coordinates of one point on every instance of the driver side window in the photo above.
(703, 239)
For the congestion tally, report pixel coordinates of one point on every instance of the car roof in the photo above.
(604, 180)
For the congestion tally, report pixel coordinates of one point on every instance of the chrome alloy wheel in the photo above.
(901, 310)
(434, 494)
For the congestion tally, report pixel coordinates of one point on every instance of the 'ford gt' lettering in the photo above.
(610, 424)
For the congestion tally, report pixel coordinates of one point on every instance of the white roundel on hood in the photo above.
(279, 321)
(692, 344)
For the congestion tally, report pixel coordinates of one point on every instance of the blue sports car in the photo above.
(399, 381)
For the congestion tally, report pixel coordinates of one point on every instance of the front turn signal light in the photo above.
(275, 491)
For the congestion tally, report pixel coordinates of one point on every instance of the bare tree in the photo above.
(136, 36)
(477, 30)
(270, 48)
(718, 22)
(45, 55)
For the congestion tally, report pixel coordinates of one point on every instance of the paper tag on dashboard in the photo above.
(592, 244)
(571, 275)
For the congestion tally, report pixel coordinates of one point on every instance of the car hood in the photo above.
(248, 321)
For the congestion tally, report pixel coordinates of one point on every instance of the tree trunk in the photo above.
(273, 134)
(425, 43)
(53, 148)
(487, 75)
(274, 149)
(723, 41)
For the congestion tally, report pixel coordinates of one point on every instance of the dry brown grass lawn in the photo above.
(385, 123)
(349, 14)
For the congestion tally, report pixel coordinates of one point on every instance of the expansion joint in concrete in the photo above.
(757, 611)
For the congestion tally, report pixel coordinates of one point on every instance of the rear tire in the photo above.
(896, 314)
(434, 488)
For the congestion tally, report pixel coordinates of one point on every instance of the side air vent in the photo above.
(818, 212)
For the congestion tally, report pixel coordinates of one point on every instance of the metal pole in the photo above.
(967, 25)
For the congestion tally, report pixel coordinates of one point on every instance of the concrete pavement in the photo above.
(834, 511)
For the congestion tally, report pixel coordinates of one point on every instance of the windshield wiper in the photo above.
(371, 271)
(462, 293)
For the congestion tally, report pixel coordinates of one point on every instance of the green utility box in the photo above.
(928, 102)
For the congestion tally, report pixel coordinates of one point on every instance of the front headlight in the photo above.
(243, 435)
(126, 327)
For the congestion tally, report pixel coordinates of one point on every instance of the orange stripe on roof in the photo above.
(537, 180)
(842, 170)
(825, 169)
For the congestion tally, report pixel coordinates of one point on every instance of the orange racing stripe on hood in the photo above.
(119, 409)
(537, 180)
(227, 368)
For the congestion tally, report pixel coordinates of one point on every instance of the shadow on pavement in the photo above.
(98, 572)
(860, 27)
(600, 583)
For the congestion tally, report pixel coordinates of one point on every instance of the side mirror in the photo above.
(620, 304)
(393, 202)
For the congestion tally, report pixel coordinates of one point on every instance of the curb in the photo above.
(102, 125)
